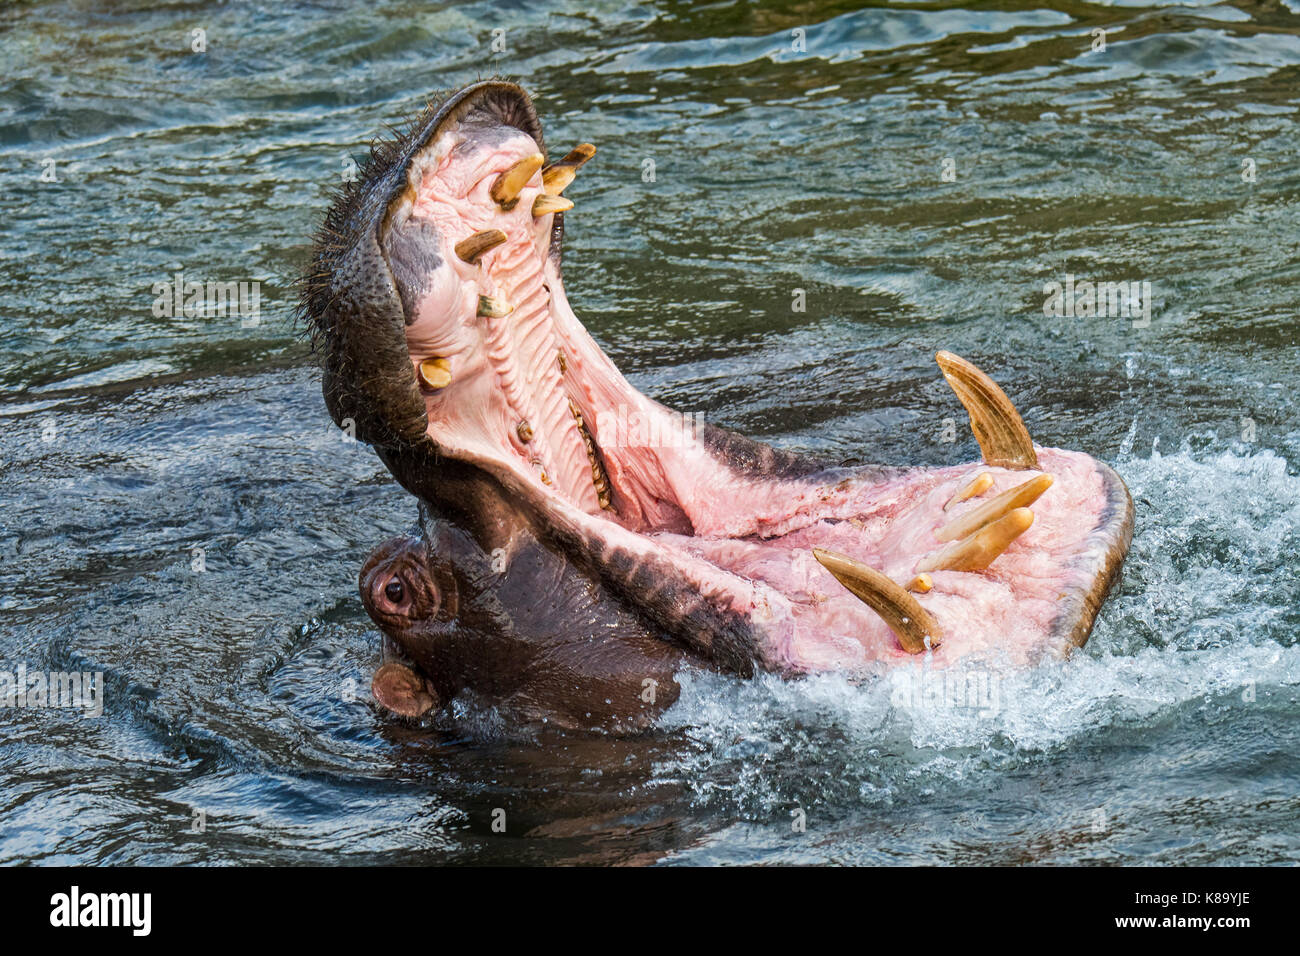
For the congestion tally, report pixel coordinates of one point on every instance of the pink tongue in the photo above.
(520, 382)
(1008, 610)
(508, 398)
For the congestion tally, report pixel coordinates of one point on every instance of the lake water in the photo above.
(920, 171)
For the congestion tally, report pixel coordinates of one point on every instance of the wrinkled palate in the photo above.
(720, 542)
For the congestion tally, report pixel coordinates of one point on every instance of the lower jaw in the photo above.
(751, 539)
(1039, 597)
(754, 537)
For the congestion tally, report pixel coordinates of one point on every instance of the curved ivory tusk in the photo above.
(998, 428)
(1021, 496)
(505, 191)
(982, 548)
(910, 622)
(471, 247)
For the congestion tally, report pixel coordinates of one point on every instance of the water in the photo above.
(130, 440)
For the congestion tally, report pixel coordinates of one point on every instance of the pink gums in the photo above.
(745, 541)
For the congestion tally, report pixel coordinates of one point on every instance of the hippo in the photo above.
(579, 542)
(536, 642)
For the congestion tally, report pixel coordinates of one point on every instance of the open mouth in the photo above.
(449, 344)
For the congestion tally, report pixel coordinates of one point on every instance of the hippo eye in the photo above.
(394, 591)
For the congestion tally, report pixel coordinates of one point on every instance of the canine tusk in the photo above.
(1021, 496)
(998, 427)
(982, 548)
(910, 622)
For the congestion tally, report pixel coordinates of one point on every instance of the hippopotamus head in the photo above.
(456, 628)
(437, 302)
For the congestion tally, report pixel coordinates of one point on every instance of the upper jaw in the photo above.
(351, 299)
(461, 351)
(442, 334)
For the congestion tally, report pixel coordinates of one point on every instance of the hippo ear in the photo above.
(402, 690)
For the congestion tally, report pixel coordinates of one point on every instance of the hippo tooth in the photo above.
(544, 204)
(557, 176)
(977, 486)
(505, 191)
(1021, 496)
(435, 373)
(998, 427)
(577, 156)
(922, 584)
(525, 432)
(493, 308)
(910, 622)
(599, 480)
(979, 550)
(471, 248)
(557, 179)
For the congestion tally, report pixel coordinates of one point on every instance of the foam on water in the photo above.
(1204, 621)
(236, 689)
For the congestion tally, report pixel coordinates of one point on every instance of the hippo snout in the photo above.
(396, 585)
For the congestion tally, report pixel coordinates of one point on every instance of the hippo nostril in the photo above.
(394, 591)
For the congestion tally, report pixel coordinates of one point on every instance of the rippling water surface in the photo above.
(793, 146)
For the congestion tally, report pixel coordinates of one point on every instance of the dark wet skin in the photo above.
(572, 598)
(485, 609)
(535, 638)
